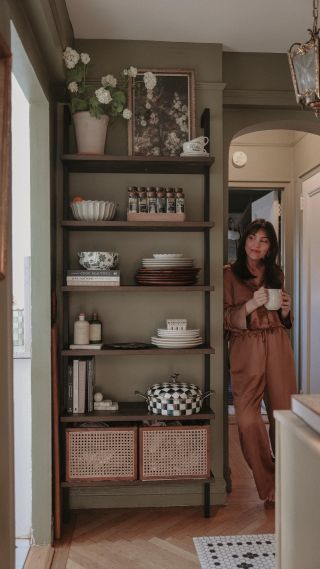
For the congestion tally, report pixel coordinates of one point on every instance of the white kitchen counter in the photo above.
(297, 493)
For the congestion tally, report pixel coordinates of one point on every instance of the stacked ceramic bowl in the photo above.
(167, 269)
(177, 338)
(93, 210)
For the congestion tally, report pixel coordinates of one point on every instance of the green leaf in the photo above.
(75, 74)
(78, 105)
(119, 97)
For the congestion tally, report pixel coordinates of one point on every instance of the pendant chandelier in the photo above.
(304, 67)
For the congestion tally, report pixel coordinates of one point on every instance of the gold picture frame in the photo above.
(164, 118)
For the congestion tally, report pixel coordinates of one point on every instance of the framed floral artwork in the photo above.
(163, 118)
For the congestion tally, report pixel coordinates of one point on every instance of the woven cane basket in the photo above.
(168, 453)
(101, 454)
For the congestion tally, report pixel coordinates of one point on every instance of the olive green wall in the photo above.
(44, 29)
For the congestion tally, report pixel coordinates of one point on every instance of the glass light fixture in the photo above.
(304, 67)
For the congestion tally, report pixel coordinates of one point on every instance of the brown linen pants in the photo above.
(262, 367)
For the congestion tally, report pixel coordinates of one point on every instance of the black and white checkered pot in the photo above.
(174, 399)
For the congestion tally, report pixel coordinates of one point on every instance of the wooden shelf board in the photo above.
(122, 164)
(143, 352)
(137, 288)
(81, 483)
(132, 411)
(123, 225)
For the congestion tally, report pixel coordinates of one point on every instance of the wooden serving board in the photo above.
(156, 216)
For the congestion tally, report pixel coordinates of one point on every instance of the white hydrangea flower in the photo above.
(150, 80)
(109, 80)
(132, 71)
(85, 58)
(71, 57)
(125, 72)
(127, 114)
(73, 87)
(103, 96)
(148, 106)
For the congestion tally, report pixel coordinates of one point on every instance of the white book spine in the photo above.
(82, 386)
(93, 283)
(97, 279)
(75, 403)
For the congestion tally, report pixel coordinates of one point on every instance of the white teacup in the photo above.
(203, 140)
(191, 146)
(274, 298)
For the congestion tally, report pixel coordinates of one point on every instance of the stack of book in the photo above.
(80, 385)
(93, 278)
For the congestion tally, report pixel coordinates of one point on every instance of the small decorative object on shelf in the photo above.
(93, 106)
(98, 260)
(176, 324)
(180, 338)
(95, 329)
(101, 404)
(155, 203)
(81, 330)
(173, 398)
(195, 147)
(93, 210)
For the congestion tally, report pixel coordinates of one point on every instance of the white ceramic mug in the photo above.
(202, 140)
(191, 146)
(274, 298)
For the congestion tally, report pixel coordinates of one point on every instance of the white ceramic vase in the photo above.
(90, 132)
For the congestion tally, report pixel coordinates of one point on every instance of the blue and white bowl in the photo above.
(98, 260)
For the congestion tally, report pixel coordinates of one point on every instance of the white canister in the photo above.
(81, 330)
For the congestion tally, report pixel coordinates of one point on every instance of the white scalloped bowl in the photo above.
(94, 210)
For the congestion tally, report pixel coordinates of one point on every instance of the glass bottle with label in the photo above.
(161, 200)
(95, 329)
(151, 200)
(132, 199)
(142, 200)
(179, 200)
(81, 330)
(171, 200)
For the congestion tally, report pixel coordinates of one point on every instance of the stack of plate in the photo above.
(167, 269)
(177, 339)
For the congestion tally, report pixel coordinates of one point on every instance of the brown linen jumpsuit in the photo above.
(261, 367)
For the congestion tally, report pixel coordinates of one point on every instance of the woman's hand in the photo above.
(285, 305)
(259, 298)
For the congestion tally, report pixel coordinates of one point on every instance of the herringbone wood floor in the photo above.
(161, 538)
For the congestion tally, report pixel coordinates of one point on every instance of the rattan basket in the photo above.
(101, 454)
(168, 453)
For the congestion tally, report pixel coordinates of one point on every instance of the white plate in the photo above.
(164, 256)
(194, 153)
(178, 333)
(172, 346)
(177, 341)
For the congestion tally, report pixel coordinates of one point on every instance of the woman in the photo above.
(261, 358)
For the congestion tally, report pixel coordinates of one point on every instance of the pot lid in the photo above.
(174, 389)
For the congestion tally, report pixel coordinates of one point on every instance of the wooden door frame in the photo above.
(7, 521)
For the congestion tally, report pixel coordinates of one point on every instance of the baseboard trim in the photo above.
(39, 557)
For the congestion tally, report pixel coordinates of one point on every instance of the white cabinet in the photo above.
(297, 493)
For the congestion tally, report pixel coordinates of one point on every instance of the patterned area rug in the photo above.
(236, 551)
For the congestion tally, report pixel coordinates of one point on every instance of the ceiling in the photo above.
(240, 25)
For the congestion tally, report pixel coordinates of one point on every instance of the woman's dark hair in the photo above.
(273, 273)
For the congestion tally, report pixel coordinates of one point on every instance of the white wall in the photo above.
(22, 446)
